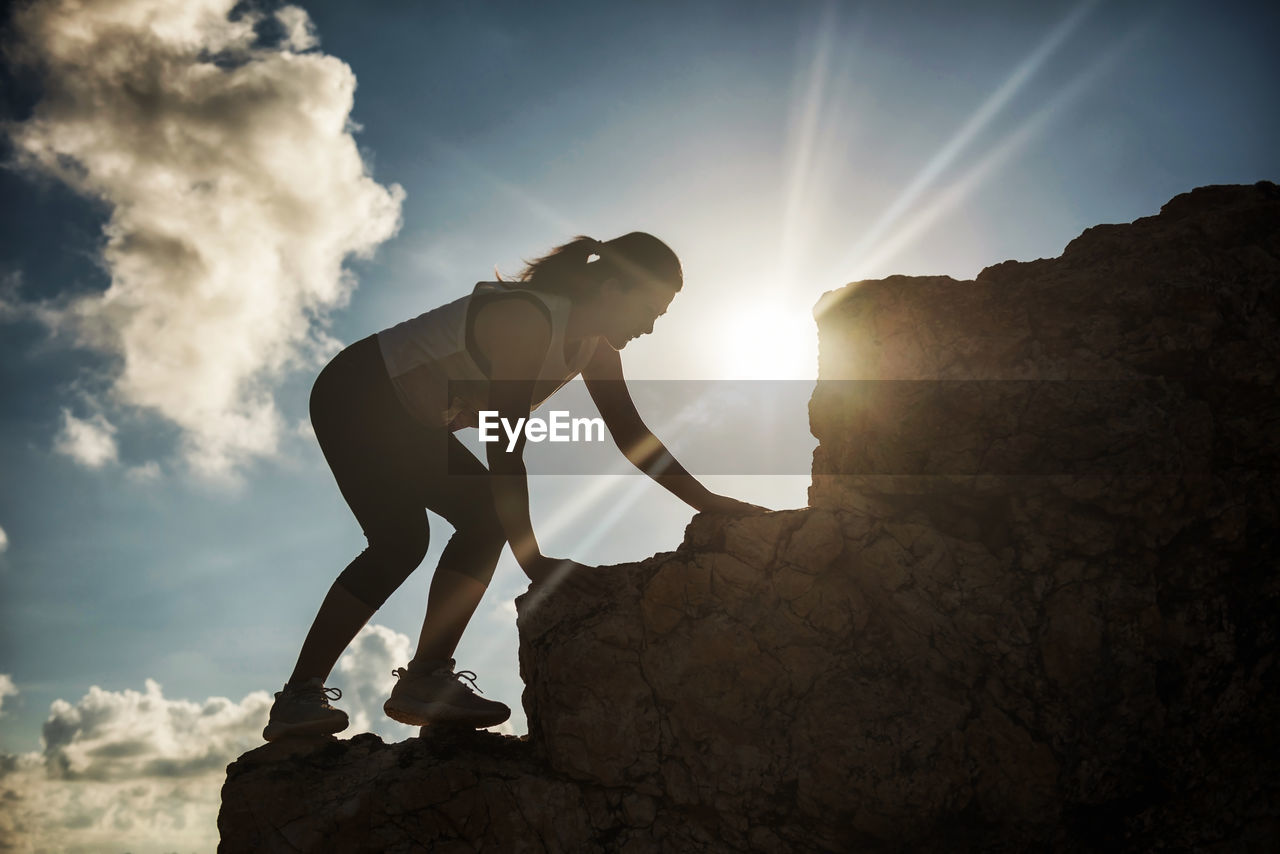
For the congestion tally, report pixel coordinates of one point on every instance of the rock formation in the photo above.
(1032, 604)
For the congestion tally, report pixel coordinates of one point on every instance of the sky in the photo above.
(203, 202)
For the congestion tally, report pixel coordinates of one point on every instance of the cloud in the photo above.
(137, 771)
(4, 541)
(7, 688)
(148, 472)
(127, 735)
(236, 193)
(299, 33)
(127, 770)
(504, 611)
(91, 443)
(363, 673)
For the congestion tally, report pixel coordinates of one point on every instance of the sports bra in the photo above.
(423, 353)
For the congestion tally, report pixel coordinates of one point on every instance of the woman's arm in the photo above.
(608, 388)
(514, 336)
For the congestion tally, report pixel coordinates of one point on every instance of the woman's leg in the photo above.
(461, 493)
(450, 604)
(395, 550)
(339, 620)
(389, 468)
(429, 692)
(372, 449)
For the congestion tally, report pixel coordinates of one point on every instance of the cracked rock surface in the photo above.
(1032, 605)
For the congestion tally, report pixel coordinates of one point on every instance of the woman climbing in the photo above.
(384, 413)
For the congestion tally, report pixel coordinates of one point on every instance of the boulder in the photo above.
(1033, 603)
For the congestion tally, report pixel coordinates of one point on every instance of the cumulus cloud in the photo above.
(299, 33)
(135, 770)
(91, 443)
(4, 541)
(364, 675)
(236, 194)
(128, 734)
(127, 770)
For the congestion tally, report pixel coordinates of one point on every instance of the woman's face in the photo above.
(631, 311)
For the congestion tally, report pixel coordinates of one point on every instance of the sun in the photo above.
(767, 339)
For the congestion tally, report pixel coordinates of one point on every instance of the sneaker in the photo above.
(304, 710)
(435, 694)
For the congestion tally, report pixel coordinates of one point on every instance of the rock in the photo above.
(1032, 606)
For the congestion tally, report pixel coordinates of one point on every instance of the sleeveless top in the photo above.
(423, 353)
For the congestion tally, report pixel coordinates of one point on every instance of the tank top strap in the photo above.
(554, 306)
(423, 354)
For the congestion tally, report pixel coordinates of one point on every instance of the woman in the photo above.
(384, 412)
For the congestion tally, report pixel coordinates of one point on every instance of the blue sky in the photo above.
(169, 526)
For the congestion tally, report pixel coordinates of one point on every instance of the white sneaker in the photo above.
(436, 695)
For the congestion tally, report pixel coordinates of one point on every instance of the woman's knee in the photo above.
(474, 551)
(404, 548)
(381, 568)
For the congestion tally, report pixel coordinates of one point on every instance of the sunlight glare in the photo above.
(766, 340)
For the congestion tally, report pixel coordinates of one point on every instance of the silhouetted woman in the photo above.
(384, 415)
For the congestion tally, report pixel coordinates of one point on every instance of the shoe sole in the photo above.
(428, 714)
(277, 730)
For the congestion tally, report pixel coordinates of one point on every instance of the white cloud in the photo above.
(4, 541)
(127, 770)
(236, 193)
(299, 33)
(91, 443)
(137, 771)
(7, 689)
(364, 676)
(124, 735)
(504, 611)
(146, 473)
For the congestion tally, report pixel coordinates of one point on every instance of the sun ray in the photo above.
(570, 512)
(805, 131)
(583, 500)
(1008, 147)
(981, 117)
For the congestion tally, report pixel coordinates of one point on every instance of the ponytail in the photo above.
(569, 271)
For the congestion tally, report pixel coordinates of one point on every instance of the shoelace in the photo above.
(321, 693)
(468, 675)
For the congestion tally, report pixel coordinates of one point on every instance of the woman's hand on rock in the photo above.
(569, 575)
(727, 506)
(542, 569)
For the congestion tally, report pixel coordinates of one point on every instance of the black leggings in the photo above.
(390, 469)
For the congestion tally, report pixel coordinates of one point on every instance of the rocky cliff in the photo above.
(1032, 604)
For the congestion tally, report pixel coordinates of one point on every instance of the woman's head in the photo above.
(624, 284)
